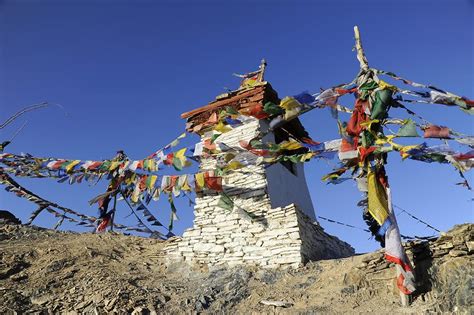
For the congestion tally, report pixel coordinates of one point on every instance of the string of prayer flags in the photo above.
(148, 215)
(35, 213)
(362, 141)
(63, 217)
(46, 167)
(435, 95)
(166, 148)
(12, 186)
(43, 204)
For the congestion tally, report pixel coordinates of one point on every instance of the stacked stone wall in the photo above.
(252, 233)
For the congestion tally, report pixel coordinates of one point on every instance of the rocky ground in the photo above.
(44, 271)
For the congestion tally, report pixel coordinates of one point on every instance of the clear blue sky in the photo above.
(125, 71)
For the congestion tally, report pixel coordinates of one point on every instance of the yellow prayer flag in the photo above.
(152, 181)
(130, 179)
(307, 156)
(185, 185)
(71, 165)
(136, 194)
(221, 127)
(290, 145)
(234, 165)
(156, 194)
(289, 103)
(368, 123)
(228, 157)
(387, 139)
(378, 203)
(114, 165)
(330, 176)
(180, 154)
(404, 150)
(385, 86)
(200, 179)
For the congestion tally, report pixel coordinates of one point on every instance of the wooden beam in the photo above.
(364, 64)
(219, 103)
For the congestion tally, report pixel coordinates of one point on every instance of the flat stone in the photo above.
(40, 300)
(294, 235)
(82, 305)
(470, 246)
(457, 253)
(361, 265)
(192, 232)
(447, 245)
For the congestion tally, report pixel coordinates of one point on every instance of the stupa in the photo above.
(271, 222)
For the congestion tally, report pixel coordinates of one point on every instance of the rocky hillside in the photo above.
(44, 271)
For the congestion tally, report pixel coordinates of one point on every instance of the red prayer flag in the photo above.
(103, 225)
(213, 182)
(434, 131)
(169, 159)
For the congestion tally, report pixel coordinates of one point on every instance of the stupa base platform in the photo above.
(281, 238)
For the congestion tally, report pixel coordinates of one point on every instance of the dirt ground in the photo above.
(45, 271)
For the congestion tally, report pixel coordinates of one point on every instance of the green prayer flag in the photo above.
(3, 145)
(381, 105)
(384, 149)
(272, 109)
(177, 164)
(105, 166)
(367, 139)
(148, 181)
(292, 158)
(219, 171)
(225, 202)
(273, 147)
(408, 129)
(437, 157)
(215, 136)
(364, 89)
(256, 144)
(230, 110)
(173, 212)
